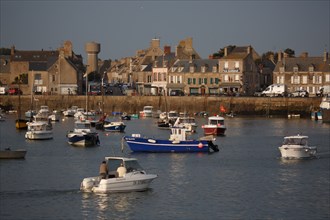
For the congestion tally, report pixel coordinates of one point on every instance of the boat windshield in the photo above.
(217, 122)
(295, 141)
(131, 165)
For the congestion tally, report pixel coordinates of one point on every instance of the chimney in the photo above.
(248, 49)
(167, 49)
(325, 56)
(304, 55)
(155, 43)
(225, 52)
(279, 58)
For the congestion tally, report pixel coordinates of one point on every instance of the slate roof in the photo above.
(197, 63)
(303, 64)
(33, 55)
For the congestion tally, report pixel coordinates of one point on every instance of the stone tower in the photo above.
(92, 49)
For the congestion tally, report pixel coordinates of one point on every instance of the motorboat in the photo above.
(21, 123)
(172, 116)
(30, 113)
(82, 135)
(12, 154)
(44, 109)
(186, 122)
(114, 126)
(125, 116)
(296, 147)
(215, 126)
(177, 142)
(55, 116)
(135, 178)
(39, 130)
(147, 111)
(70, 111)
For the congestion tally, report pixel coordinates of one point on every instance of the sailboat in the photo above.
(20, 123)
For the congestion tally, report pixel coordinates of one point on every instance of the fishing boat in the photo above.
(70, 111)
(147, 111)
(82, 135)
(177, 142)
(12, 154)
(134, 179)
(39, 130)
(296, 147)
(114, 126)
(215, 126)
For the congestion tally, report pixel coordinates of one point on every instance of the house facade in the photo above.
(303, 72)
(47, 72)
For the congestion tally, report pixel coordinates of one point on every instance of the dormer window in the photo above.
(191, 69)
(282, 69)
(295, 69)
(311, 68)
(203, 68)
(173, 69)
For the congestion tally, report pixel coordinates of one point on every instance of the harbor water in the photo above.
(246, 179)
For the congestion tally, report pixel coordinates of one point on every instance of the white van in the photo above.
(275, 90)
(3, 90)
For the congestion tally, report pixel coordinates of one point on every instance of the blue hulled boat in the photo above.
(176, 143)
(118, 126)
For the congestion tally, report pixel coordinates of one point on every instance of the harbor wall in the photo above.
(189, 104)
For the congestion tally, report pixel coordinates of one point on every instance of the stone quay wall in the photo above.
(189, 104)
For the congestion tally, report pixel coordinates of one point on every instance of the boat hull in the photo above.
(39, 135)
(83, 140)
(150, 145)
(297, 152)
(214, 130)
(117, 128)
(21, 124)
(136, 181)
(12, 154)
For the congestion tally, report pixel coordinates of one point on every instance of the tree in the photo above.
(221, 51)
(289, 52)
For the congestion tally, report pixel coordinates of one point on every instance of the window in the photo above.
(236, 64)
(304, 79)
(226, 78)
(311, 68)
(295, 69)
(194, 81)
(189, 81)
(37, 79)
(216, 81)
(149, 79)
(211, 80)
(199, 81)
(205, 80)
(237, 78)
(226, 65)
(282, 69)
(203, 69)
(215, 68)
(191, 69)
(280, 79)
(317, 79)
(327, 77)
(295, 79)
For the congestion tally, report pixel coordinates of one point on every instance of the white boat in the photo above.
(147, 111)
(186, 122)
(70, 111)
(39, 130)
(82, 135)
(296, 147)
(325, 109)
(55, 116)
(44, 109)
(135, 178)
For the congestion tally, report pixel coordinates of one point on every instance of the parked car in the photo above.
(3, 90)
(299, 93)
(176, 93)
(15, 91)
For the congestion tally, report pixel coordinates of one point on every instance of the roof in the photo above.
(27, 56)
(303, 64)
(198, 63)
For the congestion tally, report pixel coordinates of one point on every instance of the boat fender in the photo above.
(200, 145)
(151, 140)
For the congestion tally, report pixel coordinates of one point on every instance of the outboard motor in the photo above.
(214, 147)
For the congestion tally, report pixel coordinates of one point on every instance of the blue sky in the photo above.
(122, 27)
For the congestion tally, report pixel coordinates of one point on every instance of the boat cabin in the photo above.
(296, 140)
(216, 120)
(178, 134)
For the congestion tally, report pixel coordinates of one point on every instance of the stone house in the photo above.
(238, 71)
(303, 72)
(195, 76)
(48, 72)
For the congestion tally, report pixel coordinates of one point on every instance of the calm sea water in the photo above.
(245, 180)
